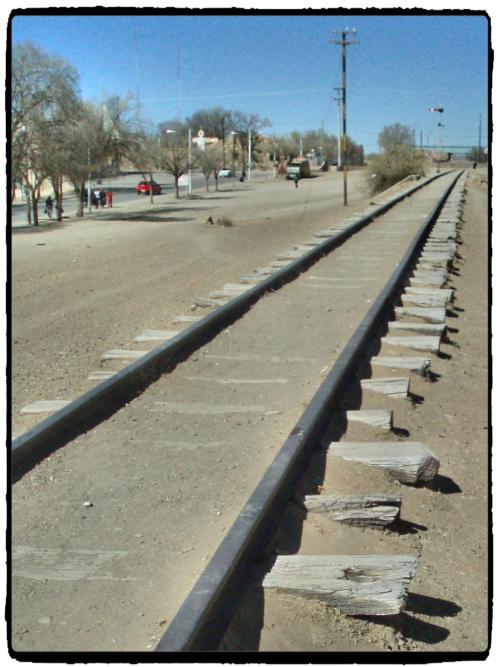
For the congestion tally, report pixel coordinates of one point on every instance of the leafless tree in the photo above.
(42, 87)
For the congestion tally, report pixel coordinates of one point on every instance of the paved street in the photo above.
(124, 193)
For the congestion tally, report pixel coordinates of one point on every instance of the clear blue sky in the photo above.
(283, 67)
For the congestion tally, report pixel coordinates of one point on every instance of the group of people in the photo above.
(98, 197)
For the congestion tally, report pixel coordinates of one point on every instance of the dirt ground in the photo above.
(92, 285)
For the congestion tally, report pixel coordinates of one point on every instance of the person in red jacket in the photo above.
(109, 198)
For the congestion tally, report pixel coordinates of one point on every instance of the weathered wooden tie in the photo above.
(186, 319)
(370, 510)
(44, 406)
(418, 327)
(101, 375)
(124, 354)
(355, 585)
(447, 294)
(424, 343)
(376, 418)
(154, 334)
(203, 302)
(433, 315)
(425, 300)
(420, 279)
(419, 365)
(394, 387)
(407, 462)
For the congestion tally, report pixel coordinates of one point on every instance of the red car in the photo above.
(143, 187)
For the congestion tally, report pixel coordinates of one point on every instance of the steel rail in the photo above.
(110, 395)
(200, 623)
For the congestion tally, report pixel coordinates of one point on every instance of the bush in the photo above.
(396, 163)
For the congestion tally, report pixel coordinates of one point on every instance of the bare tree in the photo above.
(175, 157)
(42, 86)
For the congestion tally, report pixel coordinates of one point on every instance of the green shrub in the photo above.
(394, 164)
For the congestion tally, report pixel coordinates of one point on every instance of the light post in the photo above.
(89, 187)
(190, 140)
(233, 133)
(249, 154)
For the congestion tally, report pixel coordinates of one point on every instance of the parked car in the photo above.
(143, 187)
(224, 173)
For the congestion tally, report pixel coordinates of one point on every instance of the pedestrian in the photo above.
(93, 199)
(296, 179)
(103, 198)
(85, 197)
(109, 197)
(48, 206)
(97, 195)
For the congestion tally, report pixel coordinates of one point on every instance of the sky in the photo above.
(283, 67)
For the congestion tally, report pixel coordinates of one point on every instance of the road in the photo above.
(124, 193)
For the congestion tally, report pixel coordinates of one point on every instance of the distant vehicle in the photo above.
(298, 167)
(143, 188)
(224, 173)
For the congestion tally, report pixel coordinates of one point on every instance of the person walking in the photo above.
(48, 206)
(109, 198)
(97, 198)
(296, 179)
(103, 198)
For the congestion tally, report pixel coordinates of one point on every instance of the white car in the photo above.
(224, 173)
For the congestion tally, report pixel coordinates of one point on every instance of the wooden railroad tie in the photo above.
(407, 462)
(357, 585)
(371, 510)
(203, 302)
(124, 354)
(423, 343)
(418, 327)
(419, 365)
(44, 406)
(424, 300)
(397, 387)
(433, 315)
(376, 418)
(154, 334)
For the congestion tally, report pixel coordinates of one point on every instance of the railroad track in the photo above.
(245, 377)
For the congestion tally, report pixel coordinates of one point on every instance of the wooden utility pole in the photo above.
(338, 99)
(344, 43)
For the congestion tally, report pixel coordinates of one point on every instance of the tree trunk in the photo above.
(151, 197)
(177, 187)
(34, 209)
(28, 207)
(206, 181)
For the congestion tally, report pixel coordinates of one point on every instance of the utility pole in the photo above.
(479, 139)
(344, 43)
(338, 99)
